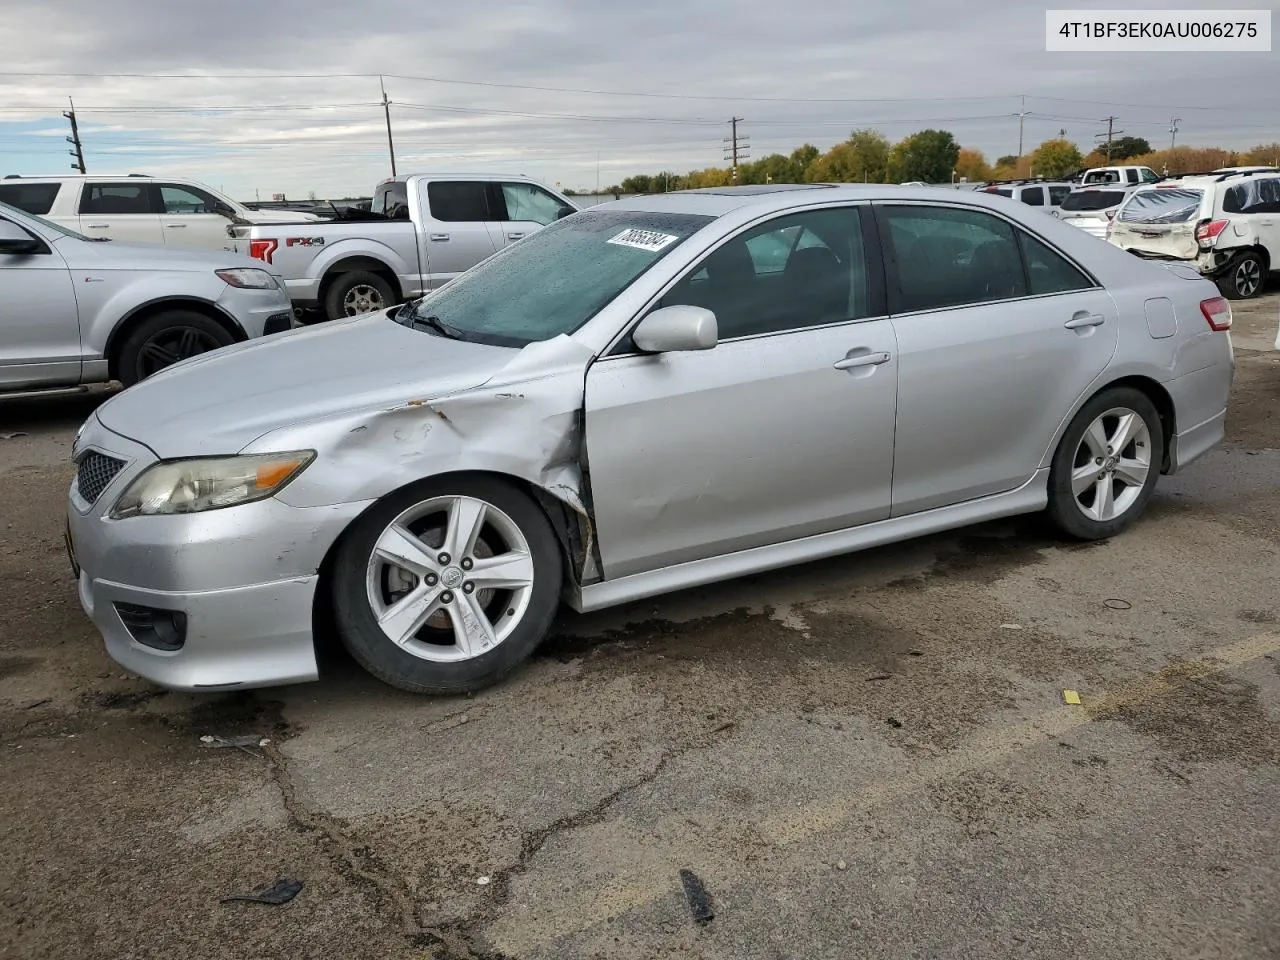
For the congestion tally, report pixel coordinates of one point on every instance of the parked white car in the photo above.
(182, 214)
(1226, 226)
(1092, 208)
(80, 310)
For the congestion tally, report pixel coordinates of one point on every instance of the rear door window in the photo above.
(108, 199)
(460, 201)
(36, 198)
(949, 257)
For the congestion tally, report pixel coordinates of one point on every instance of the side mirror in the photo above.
(565, 212)
(676, 328)
(17, 242)
(222, 210)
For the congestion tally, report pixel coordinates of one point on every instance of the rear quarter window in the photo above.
(35, 198)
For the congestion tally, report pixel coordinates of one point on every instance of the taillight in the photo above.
(1207, 231)
(262, 249)
(1218, 312)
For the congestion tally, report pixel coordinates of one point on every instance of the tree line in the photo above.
(935, 156)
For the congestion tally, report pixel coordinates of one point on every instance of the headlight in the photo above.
(190, 486)
(248, 278)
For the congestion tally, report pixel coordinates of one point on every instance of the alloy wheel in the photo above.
(362, 298)
(1111, 464)
(1248, 277)
(450, 578)
(166, 347)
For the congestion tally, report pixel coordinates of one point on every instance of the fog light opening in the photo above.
(152, 627)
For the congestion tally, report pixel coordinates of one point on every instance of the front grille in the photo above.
(94, 472)
(278, 323)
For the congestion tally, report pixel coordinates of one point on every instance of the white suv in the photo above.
(166, 212)
(1226, 225)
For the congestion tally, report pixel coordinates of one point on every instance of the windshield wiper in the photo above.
(411, 318)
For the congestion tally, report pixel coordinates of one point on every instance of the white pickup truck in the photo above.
(421, 231)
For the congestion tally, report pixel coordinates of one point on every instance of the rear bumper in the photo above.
(257, 311)
(1200, 402)
(305, 292)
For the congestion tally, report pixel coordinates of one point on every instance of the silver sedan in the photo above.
(645, 396)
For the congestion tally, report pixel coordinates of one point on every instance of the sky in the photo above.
(258, 98)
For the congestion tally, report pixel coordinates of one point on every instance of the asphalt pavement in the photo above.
(866, 757)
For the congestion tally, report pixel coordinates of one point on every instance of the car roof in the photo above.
(767, 198)
(51, 177)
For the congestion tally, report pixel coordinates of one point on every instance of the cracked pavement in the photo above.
(869, 756)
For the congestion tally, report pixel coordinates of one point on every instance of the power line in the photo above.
(594, 92)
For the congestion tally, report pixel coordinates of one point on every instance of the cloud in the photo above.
(931, 63)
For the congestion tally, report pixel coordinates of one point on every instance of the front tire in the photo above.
(447, 586)
(166, 338)
(1245, 278)
(1106, 465)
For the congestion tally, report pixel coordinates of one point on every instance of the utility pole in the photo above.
(1109, 135)
(1173, 132)
(74, 139)
(1022, 115)
(386, 109)
(735, 146)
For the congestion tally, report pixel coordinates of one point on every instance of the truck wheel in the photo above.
(165, 338)
(1244, 278)
(352, 294)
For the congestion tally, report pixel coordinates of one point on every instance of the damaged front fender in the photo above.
(525, 422)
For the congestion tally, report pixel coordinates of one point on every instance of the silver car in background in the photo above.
(76, 310)
(642, 397)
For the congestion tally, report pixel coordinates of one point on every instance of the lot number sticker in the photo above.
(643, 239)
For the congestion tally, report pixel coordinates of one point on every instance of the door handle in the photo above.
(96, 226)
(514, 236)
(439, 237)
(864, 360)
(175, 226)
(1083, 319)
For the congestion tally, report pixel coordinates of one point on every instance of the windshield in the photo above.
(46, 224)
(1092, 199)
(553, 281)
(1161, 206)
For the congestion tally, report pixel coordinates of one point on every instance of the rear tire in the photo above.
(1245, 278)
(356, 293)
(165, 338)
(447, 586)
(1106, 465)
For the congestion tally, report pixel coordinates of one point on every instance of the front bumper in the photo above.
(242, 579)
(259, 312)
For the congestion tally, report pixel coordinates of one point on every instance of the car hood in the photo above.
(222, 401)
(113, 255)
